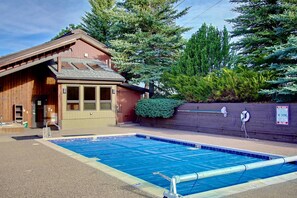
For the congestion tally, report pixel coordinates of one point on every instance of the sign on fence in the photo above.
(282, 115)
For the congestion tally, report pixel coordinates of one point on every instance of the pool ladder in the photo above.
(47, 132)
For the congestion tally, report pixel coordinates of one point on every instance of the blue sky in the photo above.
(26, 23)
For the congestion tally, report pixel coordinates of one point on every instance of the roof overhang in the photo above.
(35, 51)
(134, 88)
(25, 66)
(100, 82)
(38, 54)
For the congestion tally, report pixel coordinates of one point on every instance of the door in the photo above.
(39, 112)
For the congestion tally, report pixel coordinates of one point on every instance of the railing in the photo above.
(172, 193)
(46, 131)
(223, 111)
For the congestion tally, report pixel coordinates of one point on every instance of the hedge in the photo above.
(157, 108)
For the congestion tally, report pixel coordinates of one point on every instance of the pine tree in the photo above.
(256, 30)
(286, 67)
(97, 22)
(148, 40)
(286, 20)
(207, 50)
(225, 46)
(66, 30)
(284, 56)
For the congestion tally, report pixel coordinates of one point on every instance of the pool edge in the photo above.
(126, 178)
(158, 191)
(240, 188)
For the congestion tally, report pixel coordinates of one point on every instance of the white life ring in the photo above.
(245, 116)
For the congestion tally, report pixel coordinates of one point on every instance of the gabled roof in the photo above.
(84, 69)
(52, 45)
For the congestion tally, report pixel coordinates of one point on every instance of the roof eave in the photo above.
(88, 81)
(54, 44)
(34, 53)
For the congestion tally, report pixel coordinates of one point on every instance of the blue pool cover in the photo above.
(141, 157)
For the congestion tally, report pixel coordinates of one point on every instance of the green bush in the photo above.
(226, 85)
(157, 108)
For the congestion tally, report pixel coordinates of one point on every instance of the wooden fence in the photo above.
(261, 125)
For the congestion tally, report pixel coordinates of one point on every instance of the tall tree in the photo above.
(97, 22)
(284, 56)
(148, 41)
(207, 50)
(256, 30)
(66, 30)
(286, 67)
(225, 48)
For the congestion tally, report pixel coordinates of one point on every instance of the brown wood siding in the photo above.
(126, 101)
(21, 87)
(262, 123)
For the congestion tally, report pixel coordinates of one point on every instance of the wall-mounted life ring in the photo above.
(245, 116)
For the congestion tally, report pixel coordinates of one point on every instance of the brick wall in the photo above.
(126, 100)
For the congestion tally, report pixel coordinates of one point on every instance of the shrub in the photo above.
(157, 108)
(226, 85)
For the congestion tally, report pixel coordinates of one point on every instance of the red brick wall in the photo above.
(80, 48)
(126, 101)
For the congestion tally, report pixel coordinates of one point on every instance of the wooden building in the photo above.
(68, 81)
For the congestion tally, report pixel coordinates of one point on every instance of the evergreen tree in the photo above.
(286, 67)
(148, 40)
(225, 48)
(256, 30)
(207, 50)
(284, 56)
(97, 22)
(66, 30)
(286, 20)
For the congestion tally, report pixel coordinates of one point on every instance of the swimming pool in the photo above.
(148, 157)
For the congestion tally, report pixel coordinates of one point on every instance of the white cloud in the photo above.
(35, 16)
(27, 22)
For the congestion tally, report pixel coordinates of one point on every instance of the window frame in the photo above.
(73, 101)
(90, 101)
(105, 101)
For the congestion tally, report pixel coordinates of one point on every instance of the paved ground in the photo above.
(30, 169)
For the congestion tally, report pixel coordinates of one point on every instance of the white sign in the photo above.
(282, 115)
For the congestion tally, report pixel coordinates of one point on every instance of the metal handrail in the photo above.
(223, 111)
(46, 132)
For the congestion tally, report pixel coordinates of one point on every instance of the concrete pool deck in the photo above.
(31, 169)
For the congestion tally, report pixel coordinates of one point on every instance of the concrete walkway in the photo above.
(30, 169)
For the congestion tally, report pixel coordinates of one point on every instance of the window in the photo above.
(105, 98)
(89, 98)
(72, 98)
